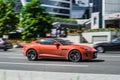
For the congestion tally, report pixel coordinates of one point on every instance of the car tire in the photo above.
(75, 56)
(5, 49)
(32, 55)
(100, 49)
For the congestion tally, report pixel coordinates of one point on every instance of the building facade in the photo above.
(109, 11)
(65, 8)
(80, 9)
(58, 8)
(18, 6)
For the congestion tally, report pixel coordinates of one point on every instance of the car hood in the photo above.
(103, 43)
(82, 46)
(85, 47)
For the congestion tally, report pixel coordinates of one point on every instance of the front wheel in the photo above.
(75, 56)
(100, 49)
(32, 55)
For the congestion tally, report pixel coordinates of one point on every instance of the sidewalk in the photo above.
(39, 75)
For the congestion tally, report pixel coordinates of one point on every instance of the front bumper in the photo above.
(95, 55)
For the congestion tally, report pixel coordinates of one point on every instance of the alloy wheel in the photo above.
(75, 56)
(31, 55)
(100, 49)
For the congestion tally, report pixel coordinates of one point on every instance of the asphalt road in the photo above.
(107, 63)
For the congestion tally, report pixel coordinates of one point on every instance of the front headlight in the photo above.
(86, 49)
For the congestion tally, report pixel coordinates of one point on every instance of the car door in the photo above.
(116, 45)
(49, 49)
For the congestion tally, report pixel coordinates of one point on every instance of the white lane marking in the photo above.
(17, 57)
(108, 56)
(14, 57)
(40, 64)
(10, 54)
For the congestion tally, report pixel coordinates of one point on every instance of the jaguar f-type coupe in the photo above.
(54, 48)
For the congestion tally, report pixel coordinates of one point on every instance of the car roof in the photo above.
(50, 39)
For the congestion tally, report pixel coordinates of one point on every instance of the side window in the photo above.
(46, 42)
(116, 40)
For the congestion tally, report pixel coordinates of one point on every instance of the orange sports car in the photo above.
(54, 48)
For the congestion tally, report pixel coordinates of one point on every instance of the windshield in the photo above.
(64, 42)
(116, 40)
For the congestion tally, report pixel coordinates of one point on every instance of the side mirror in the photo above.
(57, 44)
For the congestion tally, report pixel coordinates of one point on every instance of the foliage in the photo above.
(81, 27)
(8, 19)
(72, 30)
(74, 34)
(102, 30)
(34, 20)
(57, 19)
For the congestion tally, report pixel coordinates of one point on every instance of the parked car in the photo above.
(53, 48)
(114, 45)
(5, 44)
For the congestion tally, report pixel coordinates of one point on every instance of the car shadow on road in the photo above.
(51, 60)
(96, 60)
(59, 60)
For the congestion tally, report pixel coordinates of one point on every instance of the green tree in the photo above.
(8, 19)
(67, 20)
(34, 20)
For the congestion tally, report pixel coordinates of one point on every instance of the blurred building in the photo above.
(102, 13)
(58, 8)
(65, 8)
(18, 6)
(80, 9)
(109, 13)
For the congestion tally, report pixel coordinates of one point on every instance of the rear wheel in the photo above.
(100, 49)
(5, 49)
(32, 55)
(75, 56)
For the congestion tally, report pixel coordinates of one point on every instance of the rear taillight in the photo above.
(4, 43)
